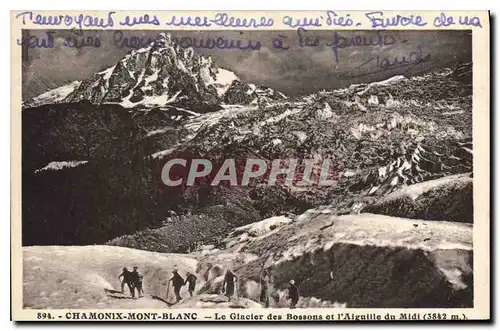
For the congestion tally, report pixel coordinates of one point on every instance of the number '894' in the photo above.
(43, 316)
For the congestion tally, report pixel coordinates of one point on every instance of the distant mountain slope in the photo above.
(56, 95)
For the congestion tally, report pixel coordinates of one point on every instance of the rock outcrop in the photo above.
(448, 198)
(241, 93)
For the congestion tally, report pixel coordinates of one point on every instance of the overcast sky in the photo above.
(296, 71)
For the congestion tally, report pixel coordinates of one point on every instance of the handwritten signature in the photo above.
(387, 63)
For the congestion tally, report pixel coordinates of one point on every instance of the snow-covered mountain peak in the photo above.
(158, 74)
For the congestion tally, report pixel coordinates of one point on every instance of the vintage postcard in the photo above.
(250, 166)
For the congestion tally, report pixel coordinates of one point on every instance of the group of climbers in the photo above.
(133, 280)
(229, 286)
(178, 282)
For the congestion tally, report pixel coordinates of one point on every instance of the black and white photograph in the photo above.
(220, 169)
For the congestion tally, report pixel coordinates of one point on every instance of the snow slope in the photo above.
(54, 96)
(57, 165)
(57, 277)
